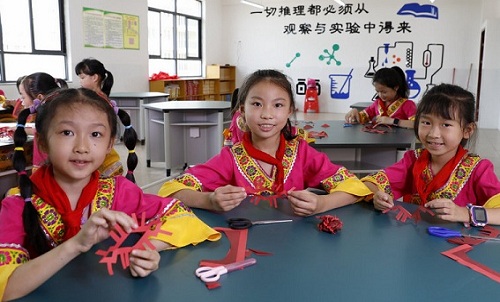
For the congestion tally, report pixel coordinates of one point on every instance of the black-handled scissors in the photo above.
(244, 223)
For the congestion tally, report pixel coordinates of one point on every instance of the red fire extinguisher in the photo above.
(311, 103)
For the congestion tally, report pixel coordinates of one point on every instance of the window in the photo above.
(32, 38)
(174, 37)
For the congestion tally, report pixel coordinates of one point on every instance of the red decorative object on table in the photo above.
(330, 224)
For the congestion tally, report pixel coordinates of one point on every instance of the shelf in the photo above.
(219, 83)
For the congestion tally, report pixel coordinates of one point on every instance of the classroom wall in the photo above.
(233, 35)
(256, 40)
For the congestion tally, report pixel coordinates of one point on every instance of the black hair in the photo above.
(393, 77)
(91, 66)
(449, 102)
(275, 77)
(19, 81)
(41, 83)
(35, 237)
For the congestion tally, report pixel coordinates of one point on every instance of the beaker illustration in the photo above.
(340, 85)
(412, 84)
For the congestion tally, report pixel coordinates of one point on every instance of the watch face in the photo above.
(479, 214)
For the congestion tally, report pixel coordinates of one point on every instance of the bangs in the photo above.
(441, 106)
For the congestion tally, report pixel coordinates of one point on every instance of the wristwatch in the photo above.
(396, 122)
(477, 215)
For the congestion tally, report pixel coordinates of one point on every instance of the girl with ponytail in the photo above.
(65, 208)
(94, 76)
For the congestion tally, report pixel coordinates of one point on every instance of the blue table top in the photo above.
(373, 258)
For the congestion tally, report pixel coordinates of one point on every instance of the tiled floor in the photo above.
(487, 145)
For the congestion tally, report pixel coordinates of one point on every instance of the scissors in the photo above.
(243, 223)
(212, 274)
(449, 233)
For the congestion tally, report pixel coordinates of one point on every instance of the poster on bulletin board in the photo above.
(104, 29)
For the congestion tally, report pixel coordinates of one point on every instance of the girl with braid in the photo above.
(93, 75)
(65, 208)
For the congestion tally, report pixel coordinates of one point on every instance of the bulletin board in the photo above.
(104, 29)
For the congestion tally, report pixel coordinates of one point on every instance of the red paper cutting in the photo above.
(111, 255)
(372, 128)
(402, 214)
(465, 240)
(317, 134)
(237, 249)
(307, 127)
(459, 254)
(256, 197)
(416, 215)
(325, 126)
(330, 224)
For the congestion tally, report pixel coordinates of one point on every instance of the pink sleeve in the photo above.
(484, 185)
(318, 166)
(217, 171)
(372, 110)
(409, 110)
(400, 175)
(11, 220)
(129, 198)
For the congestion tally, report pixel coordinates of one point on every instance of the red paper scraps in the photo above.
(325, 126)
(307, 127)
(459, 254)
(330, 224)
(238, 245)
(465, 240)
(372, 128)
(317, 134)
(402, 213)
(110, 256)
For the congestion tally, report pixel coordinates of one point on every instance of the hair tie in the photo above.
(27, 199)
(19, 125)
(115, 106)
(34, 107)
(128, 127)
(22, 172)
(18, 149)
(131, 151)
(130, 172)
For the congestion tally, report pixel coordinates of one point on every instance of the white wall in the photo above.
(256, 41)
(252, 41)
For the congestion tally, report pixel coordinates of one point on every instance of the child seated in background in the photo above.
(442, 176)
(392, 106)
(65, 208)
(94, 76)
(269, 159)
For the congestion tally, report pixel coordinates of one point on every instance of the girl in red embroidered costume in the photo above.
(65, 208)
(269, 160)
(443, 176)
(392, 106)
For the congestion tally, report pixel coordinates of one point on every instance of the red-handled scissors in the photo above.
(212, 274)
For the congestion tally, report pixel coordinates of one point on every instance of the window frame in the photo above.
(187, 18)
(34, 51)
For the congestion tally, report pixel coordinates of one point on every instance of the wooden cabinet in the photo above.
(227, 79)
(217, 86)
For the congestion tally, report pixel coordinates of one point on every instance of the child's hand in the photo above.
(98, 226)
(352, 116)
(144, 262)
(446, 209)
(227, 198)
(382, 201)
(304, 203)
(384, 120)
